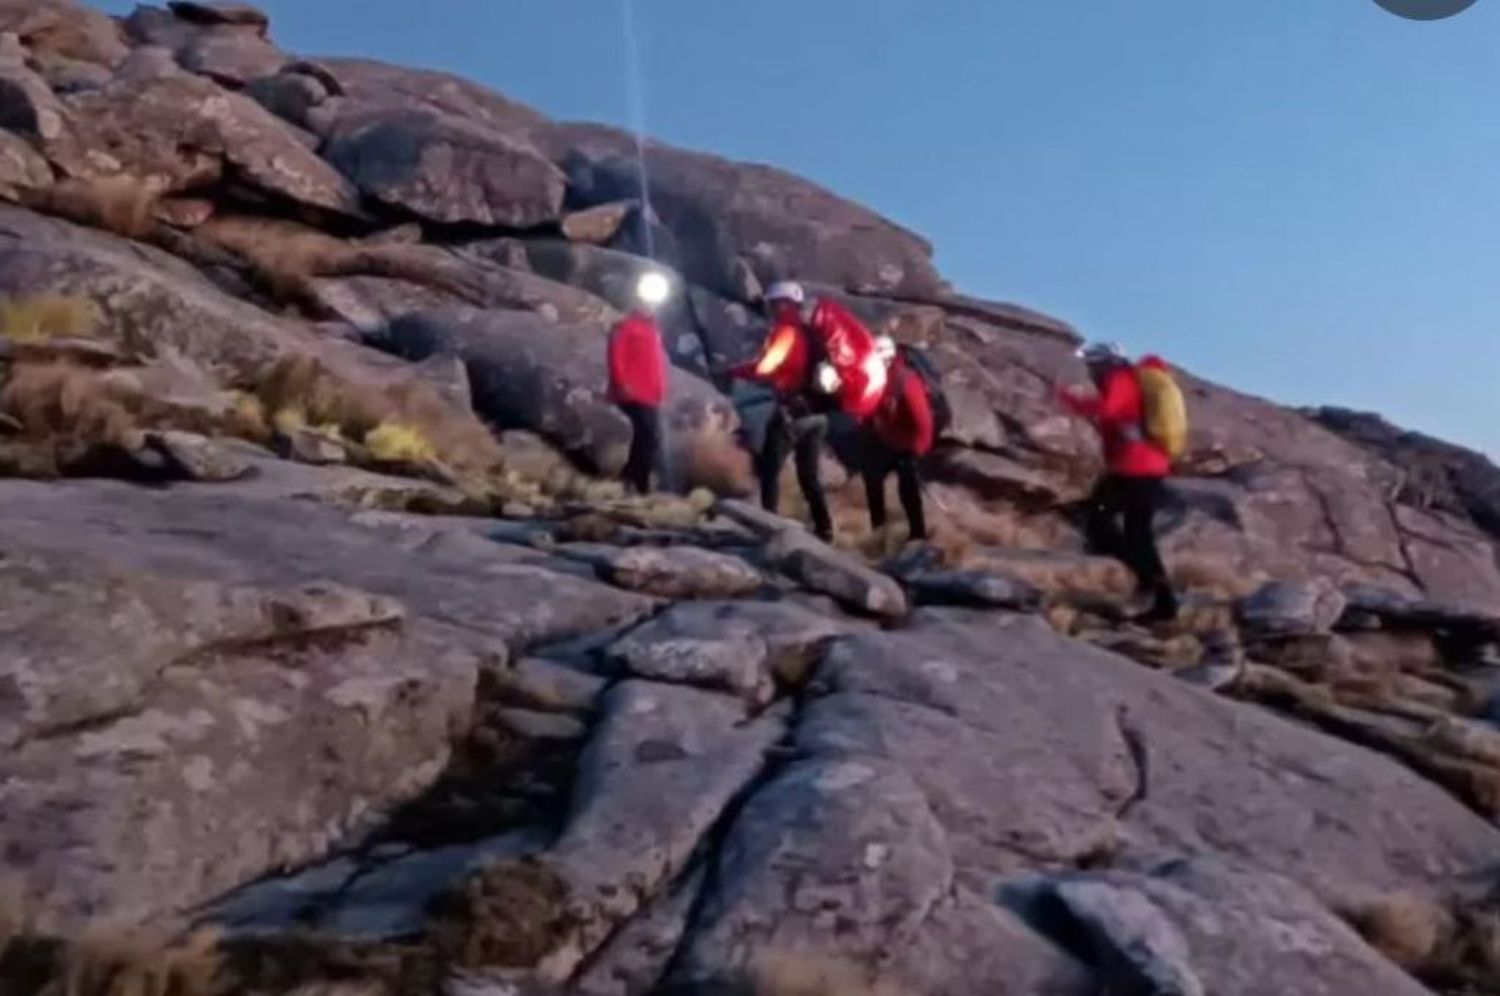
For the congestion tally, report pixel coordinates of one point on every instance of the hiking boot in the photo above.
(1164, 608)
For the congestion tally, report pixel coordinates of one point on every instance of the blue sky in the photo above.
(1300, 198)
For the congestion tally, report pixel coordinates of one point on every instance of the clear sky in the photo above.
(1300, 198)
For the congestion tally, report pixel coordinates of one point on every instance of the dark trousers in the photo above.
(805, 436)
(1121, 524)
(878, 462)
(645, 445)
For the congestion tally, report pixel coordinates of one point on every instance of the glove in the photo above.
(828, 379)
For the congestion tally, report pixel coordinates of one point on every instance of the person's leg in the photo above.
(772, 456)
(874, 478)
(1103, 514)
(644, 441)
(811, 432)
(1141, 499)
(872, 471)
(651, 443)
(910, 484)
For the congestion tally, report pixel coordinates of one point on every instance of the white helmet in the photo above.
(785, 290)
(885, 348)
(1102, 353)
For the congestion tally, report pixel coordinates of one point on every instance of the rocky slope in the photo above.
(328, 665)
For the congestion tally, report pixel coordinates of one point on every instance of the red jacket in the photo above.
(903, 420)
(1118, 411)
(786, 359)
(637, 363)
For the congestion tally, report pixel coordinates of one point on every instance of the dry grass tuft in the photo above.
(71, 407)
(104, 961)
(122, 204)
(786, 974)
(247, 418)
(658, 510)
(953, 543)
(1415, 932)
(137, 964)
(405, 421)
(1212, 576)
(39, 317)
(393, 442)
(282, 254)
(512, 915)
(715, 461)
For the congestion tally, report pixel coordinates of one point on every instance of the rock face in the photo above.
(205, 678)
(1439, 476)
(177, 132)
(150, 300)
(726, 217)
(64, 28)
(1296, 609)
(1196, 926)
(443, 169)
(335, 645)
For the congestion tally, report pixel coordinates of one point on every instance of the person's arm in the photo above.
(1119, 398)
(1079, 403)
(778, 346)
(920, 407)
(618, 360)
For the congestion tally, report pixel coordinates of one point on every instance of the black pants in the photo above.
(878, 462)
(1121, 524)
(804, 435)
(645, 445)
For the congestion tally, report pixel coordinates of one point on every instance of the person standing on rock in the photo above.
(638, 379)
(791, 363)
(897, 435)
(1123, 506)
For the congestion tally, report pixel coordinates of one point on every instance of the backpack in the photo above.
(1165, 408)
(849, 347)
(920, 363)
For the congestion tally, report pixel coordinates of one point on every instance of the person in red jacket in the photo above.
(791, 363)
(1122, 509)
(898, 434)
(638, 379)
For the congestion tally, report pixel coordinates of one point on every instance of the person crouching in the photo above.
(638, 379)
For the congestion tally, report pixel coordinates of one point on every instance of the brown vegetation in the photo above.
(1453, 949)
(139, 964)
(713, 460)
(407, 419)
(1211, 576)
(510, 916)
(1408, 929)
(39, 317)
(282, 254)
(65, 417)
(122, 204)
(110, 962)
(788, 974)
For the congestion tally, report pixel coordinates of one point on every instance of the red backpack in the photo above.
(850, 348)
